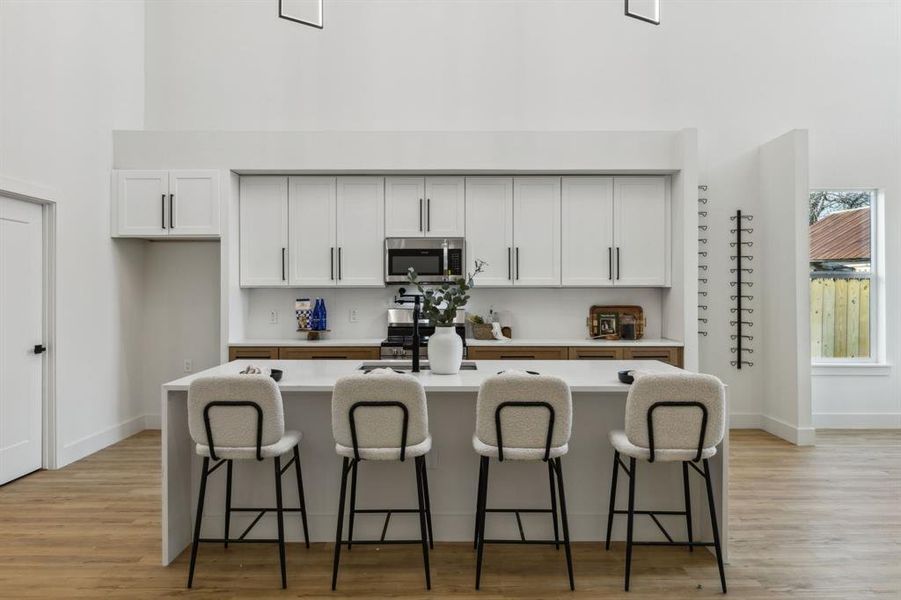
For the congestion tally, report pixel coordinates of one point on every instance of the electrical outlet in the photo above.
(353, 315)
(189, 365)
(273, 317)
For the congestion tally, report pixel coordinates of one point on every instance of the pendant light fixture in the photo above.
(305, 12)
(653, 18)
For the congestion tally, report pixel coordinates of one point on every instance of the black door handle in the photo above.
(610, 263)
(339, 263)
(420, 214)
(171, 211)
(428, 214)
(283, 264)
(617, 262)
(163, 211)
(40, 348)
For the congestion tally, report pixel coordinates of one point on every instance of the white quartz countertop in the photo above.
(578, 342)
(320, 375)
(284, 343)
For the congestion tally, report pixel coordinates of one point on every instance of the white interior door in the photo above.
(641, 214)
(312, 245)
(361, 231)
(21, 328)
(489, 229)
(445, 207)
(194, 197)
(588, 231)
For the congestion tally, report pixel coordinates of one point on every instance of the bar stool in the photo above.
(523, 416)
(240, 417)
(670, 418)
(381, 415)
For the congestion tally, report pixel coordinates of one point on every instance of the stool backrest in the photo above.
(516, 409)
(379, 409)
(672, 411)
(237, 411)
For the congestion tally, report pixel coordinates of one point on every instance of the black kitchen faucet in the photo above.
(416, 299)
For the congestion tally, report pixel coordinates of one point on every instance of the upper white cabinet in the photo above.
(425, 206)
(361, 231)
(514, 225)
(263, 214)
(489, 228)
(312, 231)
(165, 204)
(641, 231)
(536, 231)
(588, 248)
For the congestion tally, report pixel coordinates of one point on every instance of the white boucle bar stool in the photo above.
(240, 417)
(670, 418)
(523, 416)
(381, 415)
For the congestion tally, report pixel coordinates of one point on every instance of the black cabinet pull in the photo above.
(331, 263)
(339, 263)
(171, 211)
(283, 264)
(163, 211)
(617, 262)
(420, 214)
(428, 214)
(517, 263)
(610, 263)
(509, 263)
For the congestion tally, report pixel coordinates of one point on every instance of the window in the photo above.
(842, 275)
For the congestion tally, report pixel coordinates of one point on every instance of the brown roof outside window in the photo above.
(843, 235)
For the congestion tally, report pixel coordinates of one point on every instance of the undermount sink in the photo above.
(407, 365)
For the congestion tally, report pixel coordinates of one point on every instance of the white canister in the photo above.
(445, 351)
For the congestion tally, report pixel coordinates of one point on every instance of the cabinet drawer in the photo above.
(262, 352)
(672, 356)
(331, 353)
(595, 353)
(517, 353)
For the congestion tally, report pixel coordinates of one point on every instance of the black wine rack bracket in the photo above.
(742, 284)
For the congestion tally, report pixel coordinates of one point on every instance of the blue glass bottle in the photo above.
(314, 317)
(323, 316)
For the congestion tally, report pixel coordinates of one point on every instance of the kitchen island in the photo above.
(598, 406)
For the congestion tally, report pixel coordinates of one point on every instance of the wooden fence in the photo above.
(840, 317)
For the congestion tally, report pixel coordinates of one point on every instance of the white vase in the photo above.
(445, 351)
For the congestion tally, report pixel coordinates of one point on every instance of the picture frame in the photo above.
(608, 324)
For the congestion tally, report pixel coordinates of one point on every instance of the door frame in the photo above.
(46, 198)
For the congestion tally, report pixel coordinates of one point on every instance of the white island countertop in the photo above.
(320, 375)
(577, 342)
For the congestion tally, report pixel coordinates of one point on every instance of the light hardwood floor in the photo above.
(818, 523)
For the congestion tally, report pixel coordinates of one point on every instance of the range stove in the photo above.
(399, 343)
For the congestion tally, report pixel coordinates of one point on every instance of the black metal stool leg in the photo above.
(687, 505)
(228, 498)
(344, 471)
(301, 496)
(428, 502)
(475, 536)
(612, 497)
(569, 559)
(550, 474)
(714, 525)
(353, 505)
(480, 518)
(420, 495)
(631, 518)
(199, 518)
(280, 519)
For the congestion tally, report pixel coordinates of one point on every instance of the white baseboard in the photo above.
(857, 420)
(745, 421)
(800, 436)
(95, 442)
(153, 422)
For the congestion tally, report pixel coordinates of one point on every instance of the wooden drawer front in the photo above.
(265, 353)
(331, 353)
(672, 356)
(595, 353)
(518, 353)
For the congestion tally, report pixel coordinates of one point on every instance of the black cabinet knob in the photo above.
(40, 348)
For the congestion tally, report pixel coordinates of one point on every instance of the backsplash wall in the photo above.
(531, 313)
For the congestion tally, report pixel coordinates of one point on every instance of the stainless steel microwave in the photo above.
(434, 259)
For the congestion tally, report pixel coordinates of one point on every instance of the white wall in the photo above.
(742, 72)
(70, 73)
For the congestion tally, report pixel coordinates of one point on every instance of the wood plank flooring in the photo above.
(818, 523)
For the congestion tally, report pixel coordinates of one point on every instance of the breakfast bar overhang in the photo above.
(306, 387)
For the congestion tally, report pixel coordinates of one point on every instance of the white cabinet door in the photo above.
(587, 231)
(141, 204)
(194, 204)
(361, 231)
(263, 208)
(445, 207)
(641, 212)
(489, 229)
(536, 231)
(312, 249)
(404, 206)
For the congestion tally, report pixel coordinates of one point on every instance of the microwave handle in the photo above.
(446, 264)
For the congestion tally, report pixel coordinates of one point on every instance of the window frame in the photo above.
(875, 278)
